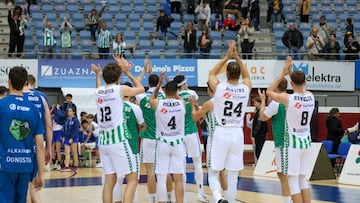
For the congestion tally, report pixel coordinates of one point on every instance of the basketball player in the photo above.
(115, 153)
(170, 149)
(299, 109)
(277, 113)
(192, 141)
(230, 100)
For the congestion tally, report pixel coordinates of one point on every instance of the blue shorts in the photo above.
(66, 141)
(14, 186)
(57, 135)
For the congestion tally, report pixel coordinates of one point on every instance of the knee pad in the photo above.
(294, 184)
(302, 182)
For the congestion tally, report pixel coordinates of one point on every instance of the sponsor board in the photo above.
(350, 173)
(5, 65)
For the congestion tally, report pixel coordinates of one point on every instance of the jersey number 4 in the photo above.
(105, 113)
(230, 108)
(172, 123)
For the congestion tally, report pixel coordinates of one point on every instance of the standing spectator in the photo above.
(65, 39)
(13, 20)
(255, 14)
(204, 14)
(233, 7)
(189, 37)
(332, 48)
(103, 42)
(175, 6)
(324, 29)
(94, 21)
(335, 130)
(204, 43)
(49, 39)
(119, 45)
(293, 40)
(349, 29)
(22, 27)
(351, 49)
(216, 6)
(304, 10)
(315, 44)
(230, 24)
(244, 8)
(68, 104)
(247, 38)
(277, 15)
(217, 24)
(259, 129)
(163, 23)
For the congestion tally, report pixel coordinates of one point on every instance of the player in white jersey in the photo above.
(170, 132)
(230, 100)
(277, 113)
(299, 109)
(115, 151)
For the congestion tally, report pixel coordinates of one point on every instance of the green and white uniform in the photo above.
(210, 121)
(49, 39)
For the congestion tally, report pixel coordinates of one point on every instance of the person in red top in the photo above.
(230, 24)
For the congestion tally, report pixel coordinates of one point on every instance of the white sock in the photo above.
(169, 196)
(287, 199)
(232, 183)
(214, 184)
(161, 187)
(117, 191)
(198, 173)
(135, 196)
(152, 198)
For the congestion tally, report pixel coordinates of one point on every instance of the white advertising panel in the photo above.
(6, 64)
(350, 173)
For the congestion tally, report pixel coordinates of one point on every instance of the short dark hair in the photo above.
(68, 95)
(111, 73)
(83, 113)
(153, 80)
(233, 71)
(4, 91)
(18, 77)
(298, 77)
(282, 86)
(84, 122)
(171, 88)
(179, 79)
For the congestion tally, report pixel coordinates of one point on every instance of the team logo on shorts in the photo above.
(223, 121)
(298, 105)
(227, 95)
(20, 130)
(100, 101)
(163, 110)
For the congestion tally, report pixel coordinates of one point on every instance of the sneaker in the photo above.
(223, 201)
(58, 167)
(202, 198)
(53, 166)
(65, 169)
(75, 169)
(98, 165)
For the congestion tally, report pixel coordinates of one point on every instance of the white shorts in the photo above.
(208, 151)
(147, 150)
(192, 144)
(170, 159)
(227, 149)
(281, 157)
(118, 158)
(298, 162)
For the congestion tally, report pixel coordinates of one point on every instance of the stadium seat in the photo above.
(114, 9)
(139, 9)
(331, 19)
(159, 44)
(37, 17)
(149, 26)
(326, 10)
(229, 35)
(338, 3)
(145, 45)
(152, 9)
(341, 154)
(121, 26)
(352, 9)
(328, 144)
(129, 35)
(74, 9)
(278, 27)
(134, 27)
(126, 9)
(87, 8)
(48, 8)
(278, 35)
(60, 9)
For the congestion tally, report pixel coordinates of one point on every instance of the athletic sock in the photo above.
(169, 196)
(214, 184)
(152, 197)
(287, 199)
(232, 183)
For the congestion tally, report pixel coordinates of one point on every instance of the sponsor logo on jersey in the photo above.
(164, 110)
(297, 105)
(227, 95)
(100, 101)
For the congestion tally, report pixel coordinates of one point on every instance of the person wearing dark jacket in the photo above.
(68, 104)
(293, 40)
(351, 48)
(259, 128)
(334, 128)
(204, 43)
(163, 24)
(13, 20)
(189, 37)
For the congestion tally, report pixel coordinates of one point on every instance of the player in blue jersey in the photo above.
(21, 130)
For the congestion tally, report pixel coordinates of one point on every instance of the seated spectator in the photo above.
(332, 48)
(66, 39)
(230, 24)
(315, 45)
(293, 40)
(204, 43)
(217, 24)
(349, 30)
(304, 10)
(163, 23)
(88, 141)
(277, 6)
(233, 7)
(204, 14)
(119, 45)
(351, 48)
(255, 14)
(104, 41)
(49, 40)
(93, 22)
(246, 37)
(324, 29)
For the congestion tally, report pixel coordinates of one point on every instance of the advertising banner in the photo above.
(5, 65)
(350, 173)
(357, 74)
(78, 73)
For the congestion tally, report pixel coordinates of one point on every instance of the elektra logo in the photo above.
(46, 70)
(301, 67)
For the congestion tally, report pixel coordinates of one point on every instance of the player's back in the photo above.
(36, 98)
(190, 125)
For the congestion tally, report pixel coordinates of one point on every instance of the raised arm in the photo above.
(262, 115)
(97, 70)
(244, 71)
(154, 96)
(197, 114)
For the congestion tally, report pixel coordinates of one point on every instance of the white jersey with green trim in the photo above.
(170, 121)
(298, 118)
(229, 104)
(112, 127)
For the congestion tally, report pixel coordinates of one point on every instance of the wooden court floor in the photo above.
(85, 187)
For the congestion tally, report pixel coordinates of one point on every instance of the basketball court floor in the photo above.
(85, 186)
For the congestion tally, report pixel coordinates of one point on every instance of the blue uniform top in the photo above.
(20, 121)
(71, 128)
(35, 98)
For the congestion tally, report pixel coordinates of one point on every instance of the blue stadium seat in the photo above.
(326, 10)
(48, 8)
(288, 10)
(51, 16)
(145, 45)
(121, 26)
(148, 17)
(176, 26)
(356, 17)
(159, 44)
(126, 9)
(173, 45)
(86, 44)
(149, 26)
(139, 9)
(107, 17)
(153, 9)
(352, 9)
(88, 8)
(229, 35)
(278, 35)
(216, 35)
(339, 9)
(129, 35)
(60, 9)
(74, 9)
(58, 2)
(338, 3)
(134, 27)
(71, 3)
(37, 17)
(278, 27)
(305, 27)
(78, 17)
(331, 19)
(114, 9)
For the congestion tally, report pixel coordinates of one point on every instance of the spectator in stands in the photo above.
(304, 10)
(204, 14)
(216, 6)
(324, 29)
(332, 48)
(351, 48)
(246, 35)
(49, 39)
(175, 6)
(217, 24)
(349, 29)
(104, 41)
(277, 15)
(68, 104)
(4, 91)
(189, 37)
(119, 45)
(293, 40)
(93, 22)
(244, 8)
(163, 23)
(204, 43)
(255, 14)
(230, 24)
(335, 129)
(65, 39)
(315, 44)
(233, 7)
(15, 38)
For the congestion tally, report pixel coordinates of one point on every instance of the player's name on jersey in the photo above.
(106, 91)
(235, 90)
(169, 104)
(301, 98)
